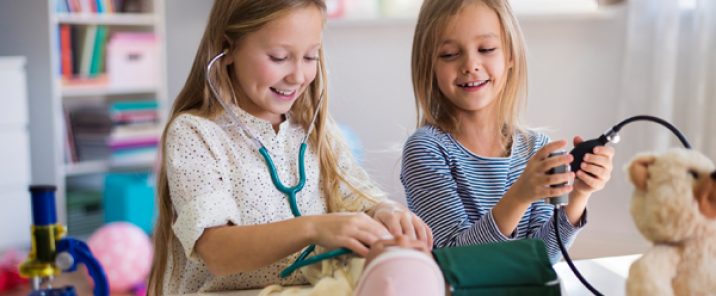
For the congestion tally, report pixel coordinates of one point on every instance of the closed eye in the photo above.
(277, 59)
(487, 50)
(447, 55)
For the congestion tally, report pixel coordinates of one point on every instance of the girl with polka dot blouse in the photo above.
(222, 224)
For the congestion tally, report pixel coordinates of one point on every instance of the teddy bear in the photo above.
(674, 207)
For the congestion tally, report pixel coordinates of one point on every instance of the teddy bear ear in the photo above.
(638, 170)
(705, 194)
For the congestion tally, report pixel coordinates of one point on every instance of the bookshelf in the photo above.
(34, 29)
(82, 92)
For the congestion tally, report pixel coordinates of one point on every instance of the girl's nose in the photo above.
(296, 76)
(471, 65)
(470, 69)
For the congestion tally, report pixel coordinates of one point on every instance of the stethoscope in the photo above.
(290, 192)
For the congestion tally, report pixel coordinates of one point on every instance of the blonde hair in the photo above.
(234, 19)
(432, 105)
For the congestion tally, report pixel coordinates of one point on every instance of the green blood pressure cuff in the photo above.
(518, 267)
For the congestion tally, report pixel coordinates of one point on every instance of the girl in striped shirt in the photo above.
(470, 170)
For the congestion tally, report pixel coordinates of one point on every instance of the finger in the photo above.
(431, 240)
(420, 246)
(604, 150)
(392, 222)
(577, 140)
(558, 179)
(406, 222)
(373, 226)
(420, 229)
(357, 247)
(589, 180)
(555, 161)
(594, 170)
(368, 239)
(544, 152)
(599, 160)
(382, 243)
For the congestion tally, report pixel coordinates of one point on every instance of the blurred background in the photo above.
(86, 86)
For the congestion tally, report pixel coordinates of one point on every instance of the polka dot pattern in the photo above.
(216, 177)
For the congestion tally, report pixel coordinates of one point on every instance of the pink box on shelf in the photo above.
(132, 60)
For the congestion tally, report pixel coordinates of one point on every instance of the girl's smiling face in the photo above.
(471, 67)
(274, 65)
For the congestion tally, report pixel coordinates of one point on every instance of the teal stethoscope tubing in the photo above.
(290, 192)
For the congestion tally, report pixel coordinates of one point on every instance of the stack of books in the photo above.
(82, 52)
(135, 136)
(88, 129)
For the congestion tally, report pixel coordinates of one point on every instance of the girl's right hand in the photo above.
(355, 231)
(534, 183)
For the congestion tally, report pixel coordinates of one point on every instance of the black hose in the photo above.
(566, 256)
(658, 120)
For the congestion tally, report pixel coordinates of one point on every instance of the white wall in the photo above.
(574, 74)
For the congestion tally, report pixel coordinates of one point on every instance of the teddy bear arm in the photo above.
(652, 274)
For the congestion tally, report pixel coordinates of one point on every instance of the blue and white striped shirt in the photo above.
(454, 190)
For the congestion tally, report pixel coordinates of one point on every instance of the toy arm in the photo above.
(653, 272)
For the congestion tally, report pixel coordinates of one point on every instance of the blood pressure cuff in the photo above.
(519, 267)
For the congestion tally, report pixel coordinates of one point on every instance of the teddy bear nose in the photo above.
(713, 175)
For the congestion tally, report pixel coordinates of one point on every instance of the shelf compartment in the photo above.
(104, 166)
(117, 19)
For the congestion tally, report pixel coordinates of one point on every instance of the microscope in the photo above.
(53, 252)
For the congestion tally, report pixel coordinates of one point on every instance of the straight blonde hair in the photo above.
(432, 106)
(232, 20)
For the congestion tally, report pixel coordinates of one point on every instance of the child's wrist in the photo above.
(513, 199)
(308, 225)
(576, 195)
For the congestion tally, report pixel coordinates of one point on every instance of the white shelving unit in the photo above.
(31, 29)
(151, 19)
(15, 159)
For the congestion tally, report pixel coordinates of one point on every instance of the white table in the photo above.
(607, 275)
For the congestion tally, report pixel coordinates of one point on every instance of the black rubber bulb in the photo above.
(583, 148)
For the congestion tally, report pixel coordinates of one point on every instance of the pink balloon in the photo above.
(125, 252)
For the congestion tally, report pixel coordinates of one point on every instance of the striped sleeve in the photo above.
(541, 222)
(432, 194)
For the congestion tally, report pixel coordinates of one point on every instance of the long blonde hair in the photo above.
(432, 105)
(235, 19)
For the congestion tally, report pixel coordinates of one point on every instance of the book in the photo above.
(66, 50)
(98, 51)
(77, 36)
(87, 50)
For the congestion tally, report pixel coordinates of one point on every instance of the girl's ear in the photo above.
(227, 45)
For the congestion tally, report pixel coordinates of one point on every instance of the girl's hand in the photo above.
(354, 231)
(402, 241)
(595, 171)
(534, 183)
(402, 222)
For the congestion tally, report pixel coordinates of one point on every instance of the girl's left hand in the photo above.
(595, 171)
(401, 222)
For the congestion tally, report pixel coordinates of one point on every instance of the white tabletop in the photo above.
(607, 275)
